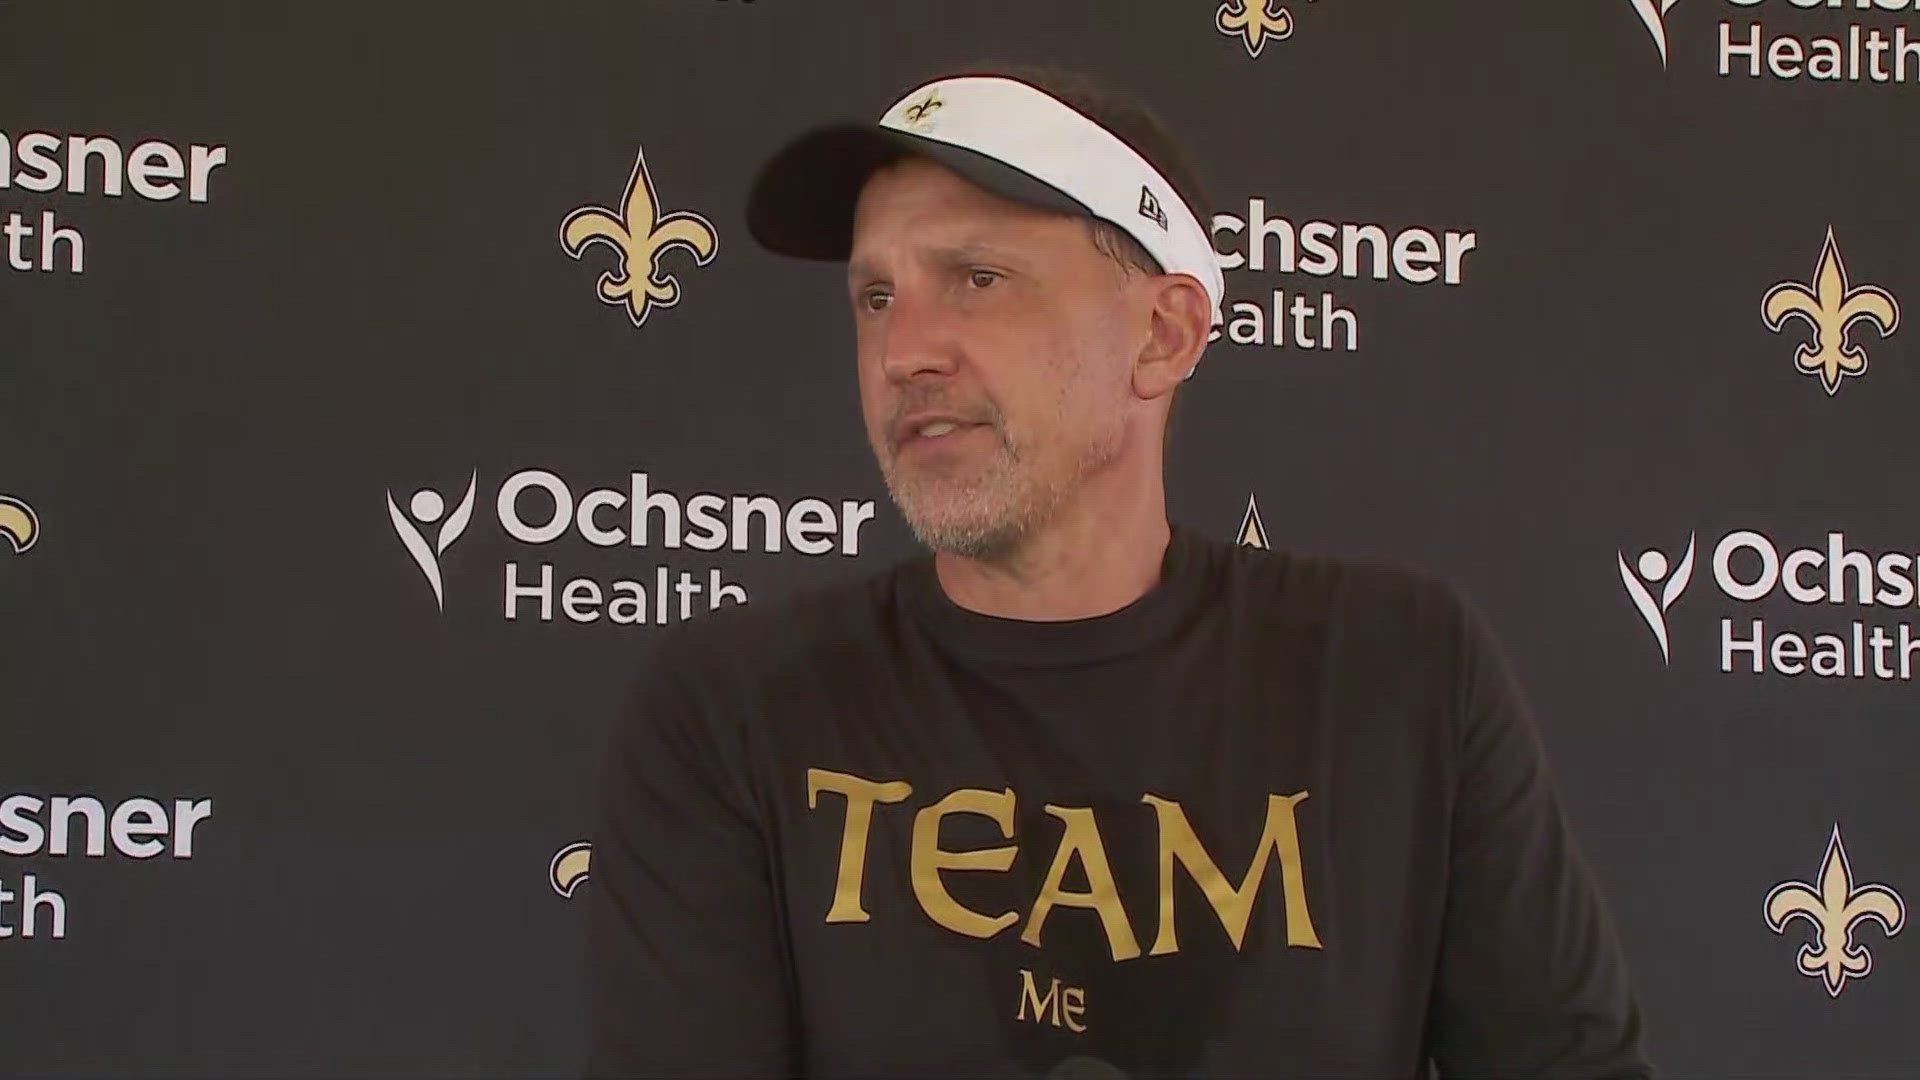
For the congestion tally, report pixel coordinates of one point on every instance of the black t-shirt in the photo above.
(1280, 817)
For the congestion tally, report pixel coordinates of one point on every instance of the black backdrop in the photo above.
(217, 413)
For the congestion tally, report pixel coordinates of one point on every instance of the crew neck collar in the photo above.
(995, 639)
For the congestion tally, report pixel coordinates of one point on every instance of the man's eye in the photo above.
(875, 299)
(982, 278)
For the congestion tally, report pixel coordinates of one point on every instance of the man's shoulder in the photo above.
(1362, 590)
(1386, 630)
(803, 626)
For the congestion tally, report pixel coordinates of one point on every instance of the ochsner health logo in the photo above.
(1866, 42)
(427, 507)
(1786, 609)
(572, 546)
(1650, 571)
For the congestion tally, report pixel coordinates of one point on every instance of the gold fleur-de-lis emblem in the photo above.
(640, 236)
(1254, 22)
(1831, 306)
(569, 867)
(920, 114)
(19, 526)
(1252, 532)
(1834, 907)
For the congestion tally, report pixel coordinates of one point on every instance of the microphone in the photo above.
(1084, 1067)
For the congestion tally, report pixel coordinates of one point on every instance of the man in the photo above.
(1080, 792)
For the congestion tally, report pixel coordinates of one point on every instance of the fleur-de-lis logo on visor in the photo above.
(640, 236)
(920, 115)
(1835, 906)
(1254, 21)
(1831, 307)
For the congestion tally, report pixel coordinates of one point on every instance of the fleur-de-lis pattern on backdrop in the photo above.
(1254, 22)
(19, 525)
(1252, 532)
(1835, 906)
(1831, 306)
(1529, 286)
(639, 235)
(569, 867)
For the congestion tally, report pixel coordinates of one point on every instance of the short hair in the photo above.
(1134, 123)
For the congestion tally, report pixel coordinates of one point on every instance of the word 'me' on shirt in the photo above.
(1279, 817)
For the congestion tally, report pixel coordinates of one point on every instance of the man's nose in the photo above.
(917, 337)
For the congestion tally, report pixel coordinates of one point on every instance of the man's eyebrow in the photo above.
(859, 269)
(862, 270)
(974, 251)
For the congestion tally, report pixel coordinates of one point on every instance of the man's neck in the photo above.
(1077, 567)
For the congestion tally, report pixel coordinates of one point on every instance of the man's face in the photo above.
(1005, 321)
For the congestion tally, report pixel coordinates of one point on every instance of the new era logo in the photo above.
(1150, 208)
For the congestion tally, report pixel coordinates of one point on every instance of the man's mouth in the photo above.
(937, 434)
(931, 429)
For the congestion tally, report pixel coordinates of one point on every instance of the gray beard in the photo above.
(988, 515)
(982, 516)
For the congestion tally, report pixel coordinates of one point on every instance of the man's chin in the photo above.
(975, 536)
(988, 546)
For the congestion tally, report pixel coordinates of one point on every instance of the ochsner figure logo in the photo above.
(1654, 14)
(1652, 570)
(426, 507)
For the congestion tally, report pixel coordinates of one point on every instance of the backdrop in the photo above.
(377, 382)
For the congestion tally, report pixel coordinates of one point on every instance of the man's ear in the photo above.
(1177, 327)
